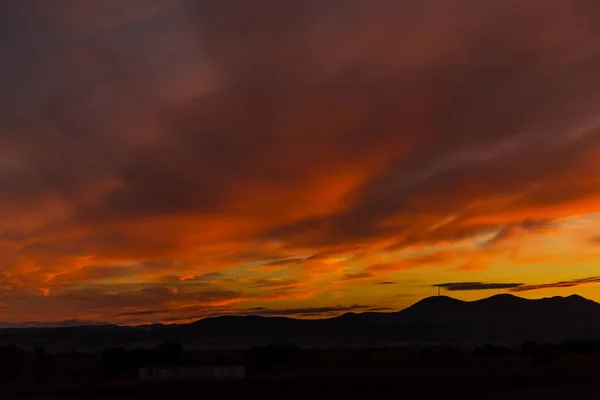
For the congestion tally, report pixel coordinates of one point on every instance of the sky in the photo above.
(169, 160)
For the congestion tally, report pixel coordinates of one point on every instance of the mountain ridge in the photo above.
(439, 319)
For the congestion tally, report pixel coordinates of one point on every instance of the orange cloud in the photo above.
(288, 149)
(412, 262)
(561, 284)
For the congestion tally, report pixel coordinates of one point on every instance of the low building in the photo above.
(189, 373)
(233, 373)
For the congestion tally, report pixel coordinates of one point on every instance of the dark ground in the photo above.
(552, 382)
(490, 372)
(353, 390)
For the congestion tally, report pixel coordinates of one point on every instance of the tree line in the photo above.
(16, 362)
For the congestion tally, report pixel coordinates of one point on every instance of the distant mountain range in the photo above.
(499, 319)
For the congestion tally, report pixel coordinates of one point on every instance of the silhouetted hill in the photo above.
(432, 306)
(440, 319)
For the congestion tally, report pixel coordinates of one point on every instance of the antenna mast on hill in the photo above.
(438, 290)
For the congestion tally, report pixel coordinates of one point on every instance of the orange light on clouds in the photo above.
(239, 159)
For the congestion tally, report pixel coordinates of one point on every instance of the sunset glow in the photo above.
(169, 160)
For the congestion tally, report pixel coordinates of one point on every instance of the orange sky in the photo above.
(167, 160)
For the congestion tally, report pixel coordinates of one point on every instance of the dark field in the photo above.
(428, 387)
(288, 372)
(477, 382)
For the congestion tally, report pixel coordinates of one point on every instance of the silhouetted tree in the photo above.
(431, 355)
(42, 366)
(579, 346)
(267, 356)
(115, 362)
(527, 348)
(171, 354)
(491, 351)
(12, 362)
(312, 356)
(362, 356)
(540, 353)
(222, 359)
(450, 354)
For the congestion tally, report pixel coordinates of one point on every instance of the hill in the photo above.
(501, 319)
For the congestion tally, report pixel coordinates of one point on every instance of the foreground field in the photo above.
(491, 383)
(289, 372)
(349, 391)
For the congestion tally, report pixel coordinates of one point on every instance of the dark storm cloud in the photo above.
(561, 284)
(464, 286)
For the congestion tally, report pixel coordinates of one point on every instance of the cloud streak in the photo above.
(558, 285)
(191, 313)
(467, 286)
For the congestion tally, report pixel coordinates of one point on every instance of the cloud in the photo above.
(360, 275)
(272, 283)
(385, 283)
(309, 311)
(93, 273)
(513, 230)
(516, 287)
(149, 296)
(52, 324)
(595, 240)
(204, 312)
(285, 262)
(435, 258)
(465, 286)
(115, 302)
(379, 309)
(561, 284)
(362, 127)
